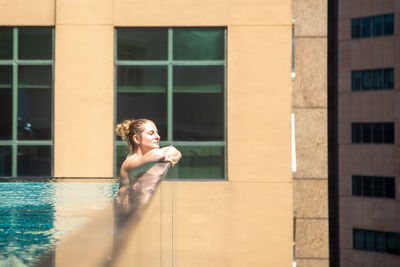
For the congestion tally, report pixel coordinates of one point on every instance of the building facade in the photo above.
(367, 134)
(69, 70)
(310, 108)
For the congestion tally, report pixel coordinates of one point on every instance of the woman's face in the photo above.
(150, 138)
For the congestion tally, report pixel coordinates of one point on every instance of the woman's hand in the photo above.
(171, 154)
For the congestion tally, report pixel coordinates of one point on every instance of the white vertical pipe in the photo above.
(294, 166)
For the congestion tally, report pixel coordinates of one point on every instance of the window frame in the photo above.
(15, 63)
(171, 63)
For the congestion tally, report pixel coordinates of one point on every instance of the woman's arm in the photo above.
(138, 166)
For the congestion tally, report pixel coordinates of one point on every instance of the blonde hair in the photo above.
(128, 128)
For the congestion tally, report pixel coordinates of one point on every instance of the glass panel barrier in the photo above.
(199, 162)
(135, 230)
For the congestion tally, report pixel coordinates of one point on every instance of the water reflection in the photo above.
(35, 216)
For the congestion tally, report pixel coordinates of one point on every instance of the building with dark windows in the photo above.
(367, 224)
(215, 76)
(240, 87)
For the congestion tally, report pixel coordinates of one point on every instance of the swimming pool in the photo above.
(34, 216)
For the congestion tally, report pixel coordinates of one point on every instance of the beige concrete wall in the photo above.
(27, 13)
(310, 108)
(83, 101)
(84, 89)
(245, 221)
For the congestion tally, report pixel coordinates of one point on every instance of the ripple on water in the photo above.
(32, 215)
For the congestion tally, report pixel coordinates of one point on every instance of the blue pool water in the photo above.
(34, 216)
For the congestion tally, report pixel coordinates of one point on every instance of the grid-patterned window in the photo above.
(374, 26)
(373, 186)
(26, 101)
(176, 77)
(376, 79)
(379, 241)
(372, 133)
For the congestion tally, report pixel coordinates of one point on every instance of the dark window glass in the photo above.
(380, 241)
(34, 161)
(139, 105)
(358, 239)
(367, 133)
(142, 43)
(378, 132)
(35, 43)
(369, 240)
(366, 27)
(198, 117)
(357, 185)
(388, 24)
(5, 160)
(142, 93)
(201, 79)
(388, 133)
(366, 79)
(390, 187)
(5, 102)
(199, 162)
(198, 44)
(377, 25)
(377, 79)
(356, 28)
(356, 133)
(388, 81)
(6, 43)
(355, 80)
(34, 102)
(143, 79)
(392, 243)
(378, 186)
(367, 186)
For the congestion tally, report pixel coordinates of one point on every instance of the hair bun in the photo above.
(122, 129)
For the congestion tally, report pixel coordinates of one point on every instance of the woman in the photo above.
(146, 163)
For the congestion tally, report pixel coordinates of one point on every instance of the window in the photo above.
(374, 26)
(373, 186)
(379, 241)
(372, 133)
(26, 99)
(175, 77)
(376, 79)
